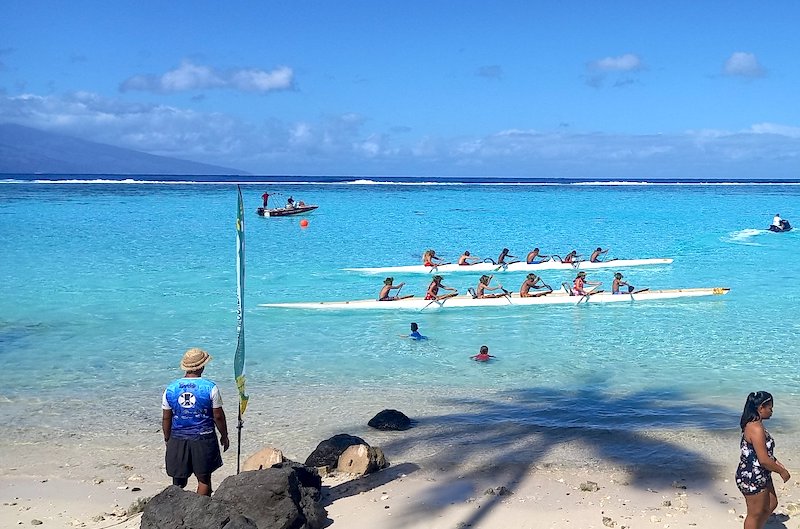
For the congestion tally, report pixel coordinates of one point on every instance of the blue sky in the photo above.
(626, 89)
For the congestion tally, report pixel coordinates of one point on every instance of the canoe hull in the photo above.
(554, 298)
(513, 267)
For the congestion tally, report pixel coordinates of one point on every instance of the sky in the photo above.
(582, 89)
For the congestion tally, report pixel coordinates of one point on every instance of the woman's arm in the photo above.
(755, 435)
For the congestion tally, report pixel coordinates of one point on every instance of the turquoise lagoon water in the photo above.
(105, 285)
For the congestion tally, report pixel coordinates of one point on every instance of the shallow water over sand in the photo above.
(105, 285)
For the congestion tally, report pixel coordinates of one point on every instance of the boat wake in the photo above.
(744, 236)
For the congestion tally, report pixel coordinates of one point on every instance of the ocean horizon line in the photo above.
(55, 178)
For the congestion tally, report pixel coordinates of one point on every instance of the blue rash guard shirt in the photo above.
(192, 401)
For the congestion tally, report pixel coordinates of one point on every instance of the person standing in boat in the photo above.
(466, 259)
(433, 289)
(290, 202)
(483, 286)
(532, 282)
(595, 257)
(618, 282)
(265, 198)
(429, 258)
(386, 291)
(534, 257)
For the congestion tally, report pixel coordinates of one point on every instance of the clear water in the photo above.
(105, 285)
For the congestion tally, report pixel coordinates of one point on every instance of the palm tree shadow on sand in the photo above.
(517, 432)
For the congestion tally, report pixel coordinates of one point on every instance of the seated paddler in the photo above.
(433, 289)
(386, 291)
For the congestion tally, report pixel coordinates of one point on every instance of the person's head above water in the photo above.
(599, 249)
(581, 274)
(532, 277)
(414, 327)
(618, 275)
(388, 281)
(437, 279)
(484, 350)
(485, 280)
(466, 252)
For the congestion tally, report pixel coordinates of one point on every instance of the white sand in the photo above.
(81, 485)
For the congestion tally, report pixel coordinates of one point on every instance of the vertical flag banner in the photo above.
(238, 360)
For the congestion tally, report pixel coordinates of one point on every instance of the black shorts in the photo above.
(199, 456)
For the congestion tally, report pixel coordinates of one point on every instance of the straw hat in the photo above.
(194, 359)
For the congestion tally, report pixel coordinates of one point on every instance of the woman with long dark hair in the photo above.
(757, 463)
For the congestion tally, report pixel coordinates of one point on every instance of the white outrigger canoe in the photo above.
(511, 267)
(556, 297)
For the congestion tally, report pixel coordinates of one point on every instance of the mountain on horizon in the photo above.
(24, 150)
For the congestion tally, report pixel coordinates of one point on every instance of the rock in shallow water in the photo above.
(390, 420)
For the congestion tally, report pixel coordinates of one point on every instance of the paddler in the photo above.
(534, 257)
(618, 282)
(571, 257)
(466, 259)
(532, 282)
(429, 258)
(433, 289)
(386, 291)
(483, 286)
(595, 257)
(579, 284)
(501, 259)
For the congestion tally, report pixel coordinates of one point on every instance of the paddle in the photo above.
(590, 292)
(439, 301)
(507, 295)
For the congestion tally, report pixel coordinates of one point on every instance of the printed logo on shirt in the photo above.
(186, 400)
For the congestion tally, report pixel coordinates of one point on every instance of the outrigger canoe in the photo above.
(511, 267)
(285, 211)
(556, 297)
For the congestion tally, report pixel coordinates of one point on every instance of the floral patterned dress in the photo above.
(751, 477)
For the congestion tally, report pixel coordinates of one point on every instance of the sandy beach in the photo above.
(83, 484)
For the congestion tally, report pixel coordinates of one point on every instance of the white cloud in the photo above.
(624, 63)
(621, 68)
(349, 144)
(742, 64)
(189, 76)
(772, 128)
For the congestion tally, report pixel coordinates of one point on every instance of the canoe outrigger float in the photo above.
(556, 297)
(511, 267)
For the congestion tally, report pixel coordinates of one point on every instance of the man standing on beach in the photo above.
(191, 408)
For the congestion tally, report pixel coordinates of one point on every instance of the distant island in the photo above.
(24, 150)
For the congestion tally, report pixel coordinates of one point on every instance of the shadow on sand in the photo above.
(512, 433)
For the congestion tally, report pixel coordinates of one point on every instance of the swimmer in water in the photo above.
(483, 355)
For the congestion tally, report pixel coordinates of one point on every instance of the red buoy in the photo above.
(304, 223)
